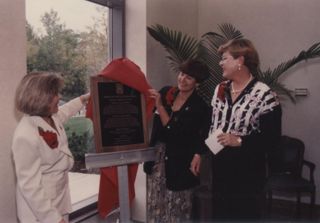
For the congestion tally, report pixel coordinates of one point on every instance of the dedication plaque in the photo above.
(118, 116)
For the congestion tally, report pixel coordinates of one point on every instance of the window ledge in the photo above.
(84, 189)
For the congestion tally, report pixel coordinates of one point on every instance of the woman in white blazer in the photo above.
(40, 149)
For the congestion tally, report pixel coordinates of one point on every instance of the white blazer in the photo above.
(42, 172)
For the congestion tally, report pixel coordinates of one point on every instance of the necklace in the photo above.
(234, 91)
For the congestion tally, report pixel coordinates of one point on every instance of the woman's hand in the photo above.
(84, 98)
(156, 96)
(62, 221)
(161, 110)
(227, 139)
(195, 164)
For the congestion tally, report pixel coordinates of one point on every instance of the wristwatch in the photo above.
(239, 140)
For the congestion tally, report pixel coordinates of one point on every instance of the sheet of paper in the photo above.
(212, 141)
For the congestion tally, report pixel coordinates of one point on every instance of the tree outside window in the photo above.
(75, 55)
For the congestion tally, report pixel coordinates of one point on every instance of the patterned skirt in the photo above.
(164, 205)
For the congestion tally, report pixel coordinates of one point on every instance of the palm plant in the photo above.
(181, 47)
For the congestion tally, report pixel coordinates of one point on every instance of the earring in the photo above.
(239, 66)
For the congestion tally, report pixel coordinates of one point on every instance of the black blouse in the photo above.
(184, 137)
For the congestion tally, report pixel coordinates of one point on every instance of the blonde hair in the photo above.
(36, 91)
(245, 48)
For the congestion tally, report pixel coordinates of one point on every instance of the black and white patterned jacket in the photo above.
(255, 116)
(243, 116)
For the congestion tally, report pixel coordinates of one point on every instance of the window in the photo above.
(69, 37)
(76, 38)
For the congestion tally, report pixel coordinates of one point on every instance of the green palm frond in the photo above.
(230, 32)
(282, 91)
(214, 39)
(179, 46)
(271, 77)
(208, 52)
(209, 55)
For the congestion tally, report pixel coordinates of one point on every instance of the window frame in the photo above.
(116, 44)
(116, 34)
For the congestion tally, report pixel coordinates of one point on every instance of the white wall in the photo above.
(181, 15)
(135, 43)
(149, 55)
(280, 29)
(12, 68)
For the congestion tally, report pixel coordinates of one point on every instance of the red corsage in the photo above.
(49, 137)
(222, 91)
(171, 95)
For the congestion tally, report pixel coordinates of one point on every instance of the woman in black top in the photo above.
(179, 131)
(249, 115)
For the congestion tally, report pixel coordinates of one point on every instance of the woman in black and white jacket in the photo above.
(249, 115)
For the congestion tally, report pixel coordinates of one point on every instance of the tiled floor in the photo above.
(282, 211)
(285, 211)
(95, 218)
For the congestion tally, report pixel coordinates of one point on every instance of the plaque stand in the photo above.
(121, 160)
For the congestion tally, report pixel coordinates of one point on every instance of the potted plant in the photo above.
(181, 47)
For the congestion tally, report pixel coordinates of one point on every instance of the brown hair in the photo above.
(195, 69)
(36, 91)
(245, 48)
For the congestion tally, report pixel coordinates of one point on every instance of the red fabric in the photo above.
(128, 73)
(108, 198)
